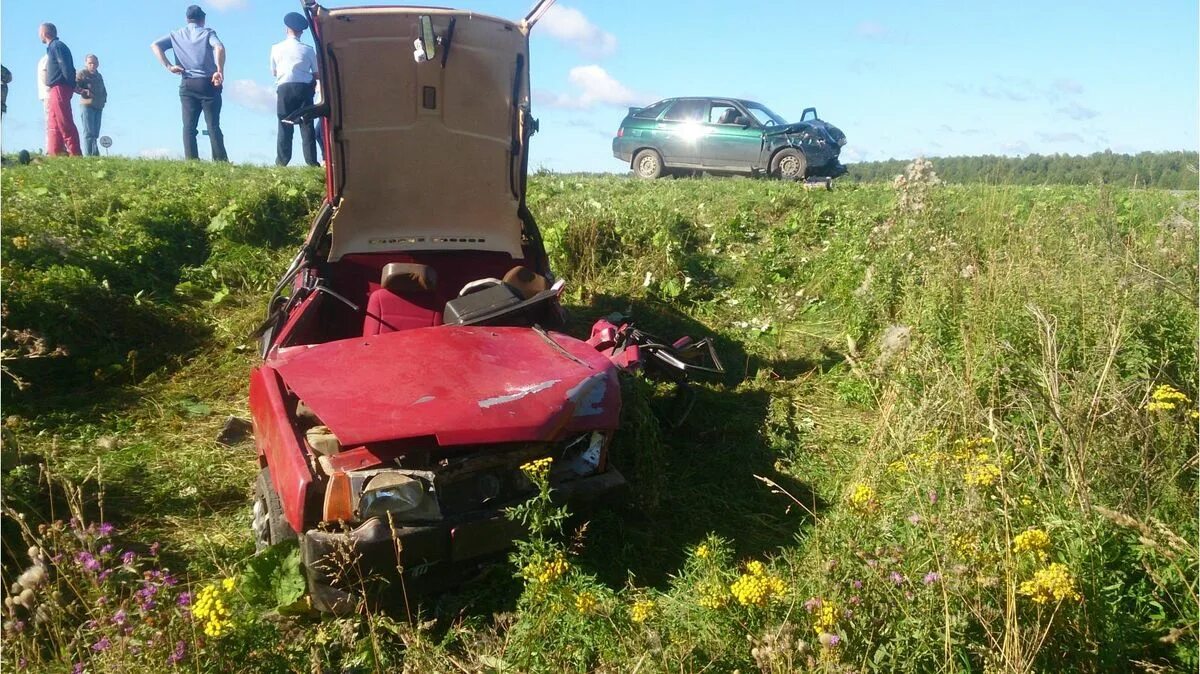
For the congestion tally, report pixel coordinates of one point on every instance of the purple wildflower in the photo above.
(914, 519)
(22, 663)
(106, 548)
(185, 599)
(855, 600)
(18, 626)
(833, 640)
(169, 580)
(856, 584)
(105, 574)
(932, 577)
(872, 563)
(91, 624)
(176, 656)
(106, 529)
(812, 604)
(87, 560)
(154, 548)
(933, 496)
(77, 669)
(897, 578)
(102, 645)
(119, 617)
(127, 557)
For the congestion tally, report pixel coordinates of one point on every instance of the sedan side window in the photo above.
(686, 111)
(722, 113)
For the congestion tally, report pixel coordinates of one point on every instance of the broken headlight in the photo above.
(402, 496)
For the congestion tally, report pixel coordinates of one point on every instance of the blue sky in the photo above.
(901, 79)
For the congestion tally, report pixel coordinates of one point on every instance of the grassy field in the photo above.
(957, 433)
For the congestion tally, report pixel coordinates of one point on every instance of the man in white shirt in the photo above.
(294, 67)
(43, 88)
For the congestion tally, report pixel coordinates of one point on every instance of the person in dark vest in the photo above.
(62, 136)
(294, 67)
(200, 59)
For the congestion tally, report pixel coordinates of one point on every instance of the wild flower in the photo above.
(585, 602)
(127, 557)
(178, 654)
(856, 584)
(756, 587)
(933, 497)
(1052, 583)
(897, 467)
(1165, 398)
(1033, 541)
(712, 595)
(106, 529)
(812, 604)
(829, 640)
(184, 599)
(862, 498)
(102, 645)
(546, 571)
(825, 619)
(642, 610)
(538, 469)
(931, 578)
(210, 608)
(914, 519)
(981, 470)
(703, 551)
(897, 578)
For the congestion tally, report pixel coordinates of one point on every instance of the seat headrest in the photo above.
(526, 281)
(405, 277)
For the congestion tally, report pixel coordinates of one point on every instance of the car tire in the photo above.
(647, 165)
(267, 521)
(789, 164)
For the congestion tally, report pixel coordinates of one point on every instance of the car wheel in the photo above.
(267, 522)
(647, 164)
(789, 164)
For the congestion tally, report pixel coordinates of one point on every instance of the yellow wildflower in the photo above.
(585, 602)
(981, 470)
(703, 551)
(712, 595)
(538, 469)
(756, 587)
(546, 571)
(210, 609)
(898, 467)
(642, 610)
(862, 498)
(1035, 541)
(825, 618)
(1053, 583)
(1159, 406)
(20, 242)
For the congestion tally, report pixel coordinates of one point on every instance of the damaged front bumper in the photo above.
(425, 557)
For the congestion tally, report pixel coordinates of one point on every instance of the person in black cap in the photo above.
(200, 59)
(294, 67)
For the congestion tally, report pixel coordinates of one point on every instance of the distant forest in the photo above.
(1164, 170)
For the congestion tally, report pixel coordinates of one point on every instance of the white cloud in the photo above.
(1077, 111)
(569, 25)
(595, 88)
(224, 5)
(252, 95)
(156, 153)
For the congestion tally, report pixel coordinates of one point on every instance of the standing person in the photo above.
(90, 83)
(200, 59)
(294, 67)
(62, 136)
(5, 78)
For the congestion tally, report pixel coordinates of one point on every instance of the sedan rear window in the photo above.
(653, 111)
(687, 111)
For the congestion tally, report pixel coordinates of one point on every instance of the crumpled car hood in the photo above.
(461, 385)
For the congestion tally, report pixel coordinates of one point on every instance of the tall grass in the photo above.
(943, 443)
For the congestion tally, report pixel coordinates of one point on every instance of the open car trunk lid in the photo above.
(424, 155)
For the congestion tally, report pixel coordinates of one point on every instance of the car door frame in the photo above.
(672, 136)
(721, 136)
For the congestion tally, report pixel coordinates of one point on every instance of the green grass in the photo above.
(1039, 318)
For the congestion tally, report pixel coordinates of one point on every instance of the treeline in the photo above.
(1164, 170)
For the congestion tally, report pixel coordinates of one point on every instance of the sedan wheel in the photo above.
(789, 164)
(267, 522)
(647, 164)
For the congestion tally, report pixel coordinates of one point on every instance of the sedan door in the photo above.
(680, 131)
(733, 140)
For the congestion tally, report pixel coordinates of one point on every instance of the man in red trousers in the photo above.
(62, 136)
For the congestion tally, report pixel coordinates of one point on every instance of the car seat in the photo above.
(406, 299)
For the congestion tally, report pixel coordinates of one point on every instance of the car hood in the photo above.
(424, 155)
(797, 127)
(460, 385)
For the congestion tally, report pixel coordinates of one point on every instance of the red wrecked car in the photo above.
(411, 356)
